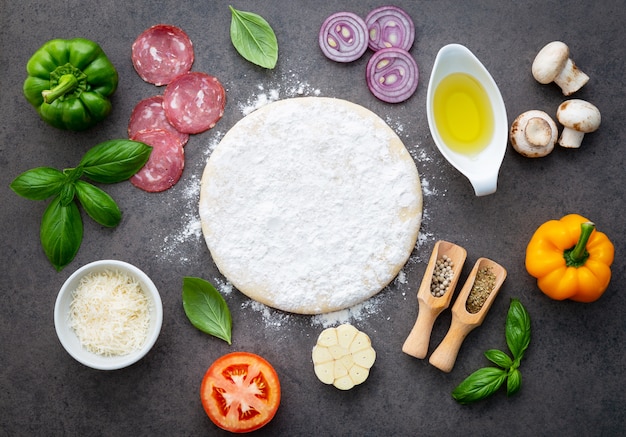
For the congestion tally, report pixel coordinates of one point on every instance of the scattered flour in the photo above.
(395, 125)
(426, 188)
(260, 100)
(419, 154)
(401, 278)
(357, 312)
(290, 86)
(223, 286)
(271, 318)
(177, 244)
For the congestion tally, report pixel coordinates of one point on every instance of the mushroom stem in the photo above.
(538, 132)
(571, 138)
(571, 78)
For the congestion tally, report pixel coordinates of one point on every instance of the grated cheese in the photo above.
(110, 313)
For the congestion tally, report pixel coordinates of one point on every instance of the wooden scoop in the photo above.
(430, 306)
(463, 322)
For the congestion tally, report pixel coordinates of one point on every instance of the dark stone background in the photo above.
(573, 373)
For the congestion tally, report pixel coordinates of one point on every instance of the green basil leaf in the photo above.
(499, 358)
(66, 196)
(97, 204)
(61, 232)
(206, 309)
(479, 385)
(517, 329)
(114, 160)
(73, 174)
(253, 38)
(39, 183)
(513, 382)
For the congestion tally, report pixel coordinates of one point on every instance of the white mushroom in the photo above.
(578, 118)
(553, 64)
(533, 134)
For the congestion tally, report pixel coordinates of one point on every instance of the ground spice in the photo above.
(483, 286)
(442, 276)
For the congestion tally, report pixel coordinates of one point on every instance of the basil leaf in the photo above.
(499, 358)
(97, 204)
(66, 196)
(206, 309)
(513, 382)
(73, 174)
(253, 38)
(61, 232)
(114, 160)
(39, 183)
(479, 385)
(517, 329)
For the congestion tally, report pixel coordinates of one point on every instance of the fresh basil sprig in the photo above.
(486, 381)
(254, 38)
(206, 309)
(61, 231)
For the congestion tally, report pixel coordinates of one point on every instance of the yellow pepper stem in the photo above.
(577, 256)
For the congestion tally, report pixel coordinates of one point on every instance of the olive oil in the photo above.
(463, 114)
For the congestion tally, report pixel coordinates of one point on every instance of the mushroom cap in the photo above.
(533, 134)
(579, 115)
(550, 61)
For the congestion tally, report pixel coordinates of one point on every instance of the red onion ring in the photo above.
(392, 75)
(343, 37)
(389, 26)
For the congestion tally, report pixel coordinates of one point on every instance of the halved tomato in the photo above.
(240, 392)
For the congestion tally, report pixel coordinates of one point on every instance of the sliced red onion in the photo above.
(392, 75)
(343, 37)
(389, 26)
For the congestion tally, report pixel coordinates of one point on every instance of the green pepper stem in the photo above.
(577, 256)
(67, 83)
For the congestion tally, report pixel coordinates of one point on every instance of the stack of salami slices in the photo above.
(192, 102)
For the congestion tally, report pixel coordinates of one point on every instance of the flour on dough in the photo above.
(310, 205)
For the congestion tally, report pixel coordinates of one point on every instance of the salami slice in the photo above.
(194, 102)
(149, 114)
(166, 162)
(162, 53)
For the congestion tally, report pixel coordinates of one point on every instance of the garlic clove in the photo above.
(343, 356)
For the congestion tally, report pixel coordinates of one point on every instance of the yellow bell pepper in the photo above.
(570, 259)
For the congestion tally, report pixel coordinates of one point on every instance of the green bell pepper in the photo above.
(69, 83)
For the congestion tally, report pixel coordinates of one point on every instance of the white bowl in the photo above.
(68, 337)
(481, 169)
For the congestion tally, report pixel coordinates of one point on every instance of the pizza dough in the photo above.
(310, 205)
